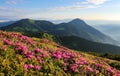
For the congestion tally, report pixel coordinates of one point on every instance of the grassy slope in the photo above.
(21, 55)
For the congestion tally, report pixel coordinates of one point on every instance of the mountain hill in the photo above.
(75, 27)
(78, 43)
(6, 23)
(24, 56)
(80, 29)
(28, 25)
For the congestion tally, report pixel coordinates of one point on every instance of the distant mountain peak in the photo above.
(77, 21)
(27, 20)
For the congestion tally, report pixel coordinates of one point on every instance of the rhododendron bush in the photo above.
(21, 55)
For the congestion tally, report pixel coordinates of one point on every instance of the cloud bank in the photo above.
(12, 13)
(80, 5)
(13, 1)
(96, 2)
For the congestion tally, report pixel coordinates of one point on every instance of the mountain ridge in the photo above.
(84, 45)
(6, 23)
(76, 27)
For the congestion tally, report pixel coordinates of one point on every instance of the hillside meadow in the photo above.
(24, 56)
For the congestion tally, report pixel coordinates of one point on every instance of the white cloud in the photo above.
(80, 5)
(2, 8)
(77, 7)
(13, 1)
(96, 2)
(9, 9)
(9, 13)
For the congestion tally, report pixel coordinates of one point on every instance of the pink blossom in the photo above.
(26, 67)
(37, 67)
(98, 65)
(76, 70)
(31, 66)
(58, 56)
(40, 61)
(54, 55)
(44, 54)
(110, 70)
(117, 74)
(65, 68)
(81, 63)
(64, 64)
(38, 50)
(7, 42)
(97, 71)
(73, 67)
(23, 48)
(4, 47)
(30, 55)
(89, 68)
(38, 57)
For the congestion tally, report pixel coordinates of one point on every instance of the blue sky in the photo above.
(60, 9)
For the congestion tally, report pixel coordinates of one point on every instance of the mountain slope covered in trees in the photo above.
(75, 27)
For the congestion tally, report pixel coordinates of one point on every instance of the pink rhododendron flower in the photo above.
(7, 42)
(98, 65)
(110, 70)
(38, 50)
(54, 55)
(97, 71)
(58, 56)
(81, 63)
(41, 61)
(64, 64)
(23, 48)
(30, 55)
(4, 47)
(117, 74)
(31, 66)
(65, 69)
(37, 67)
(89, 68)
(74, 67)
(26, 67)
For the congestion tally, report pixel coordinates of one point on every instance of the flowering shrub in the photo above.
(21, 55)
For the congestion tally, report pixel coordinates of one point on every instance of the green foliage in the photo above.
(50, 37)
(115, 65)
(106, 55)
(84, 45)
(111, 56)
